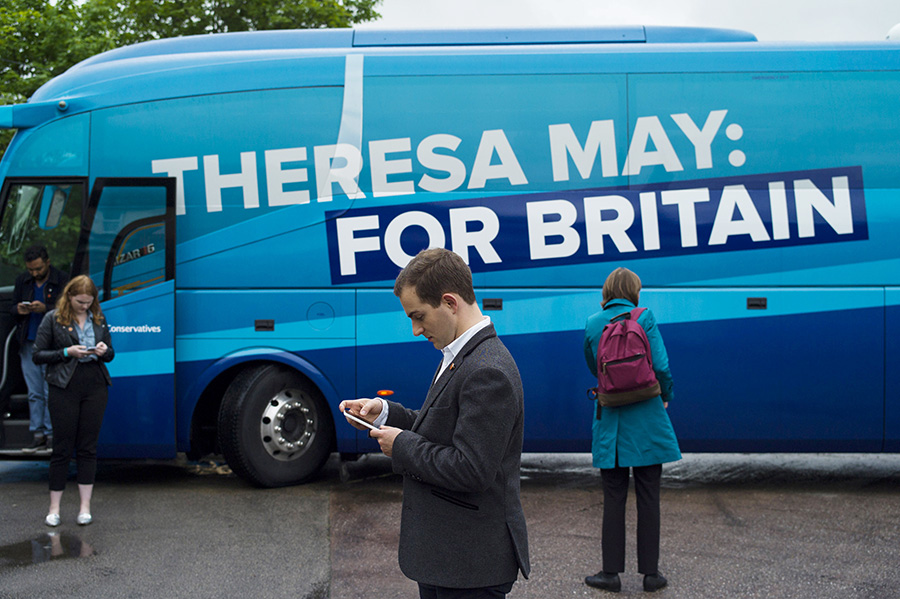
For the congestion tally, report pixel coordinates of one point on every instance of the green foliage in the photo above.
(40, 39)
(35, 40)
(141, 20)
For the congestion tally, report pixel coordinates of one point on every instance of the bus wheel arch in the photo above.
(274, 426)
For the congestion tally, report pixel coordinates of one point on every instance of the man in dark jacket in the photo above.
(462, 530)
(36, 292)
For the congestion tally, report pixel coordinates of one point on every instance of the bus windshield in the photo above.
(39, 213)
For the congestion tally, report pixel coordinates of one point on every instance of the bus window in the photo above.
(127, 241)
(39, 213)
(139, 258)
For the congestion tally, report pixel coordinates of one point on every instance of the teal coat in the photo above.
(641, 434)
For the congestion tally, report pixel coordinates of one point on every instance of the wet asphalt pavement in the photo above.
(773, 526)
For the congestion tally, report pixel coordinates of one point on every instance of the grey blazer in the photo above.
(462, 524)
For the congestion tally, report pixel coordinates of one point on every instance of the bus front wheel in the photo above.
(274, 427)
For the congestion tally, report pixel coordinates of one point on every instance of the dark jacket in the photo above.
(53, 338)
(24, 292)
(462, 523)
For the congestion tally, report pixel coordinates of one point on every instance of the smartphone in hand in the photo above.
(360, 421)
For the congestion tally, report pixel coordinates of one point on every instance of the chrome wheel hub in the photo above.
(288, 425)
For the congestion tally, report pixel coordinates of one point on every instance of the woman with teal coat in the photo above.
(638, 436)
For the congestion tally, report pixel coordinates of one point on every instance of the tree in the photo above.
(34, 37)
(40, 39)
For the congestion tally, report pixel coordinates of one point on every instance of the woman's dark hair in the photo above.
(621, 284)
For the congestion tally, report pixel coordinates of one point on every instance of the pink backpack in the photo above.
(624, 364)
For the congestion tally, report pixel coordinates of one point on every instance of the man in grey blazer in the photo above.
(462, 530)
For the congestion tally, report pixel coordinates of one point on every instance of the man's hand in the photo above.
(385, 437)
(39, 307)
(366, 408)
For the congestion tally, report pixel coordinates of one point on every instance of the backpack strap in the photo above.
(632, 314)
(635, 314)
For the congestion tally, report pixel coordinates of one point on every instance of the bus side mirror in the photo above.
(52, 205)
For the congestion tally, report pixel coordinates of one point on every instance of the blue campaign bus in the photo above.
(245, 202)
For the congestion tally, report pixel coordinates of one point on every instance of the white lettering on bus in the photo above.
(540, 228)
(244, 179)
(337, 169)
(175, 167)
(650, 146)
(277, 176)
(553, 230)
(480, 238)
(435, 161)
(394, 164)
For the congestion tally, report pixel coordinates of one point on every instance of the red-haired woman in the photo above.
(74, 342)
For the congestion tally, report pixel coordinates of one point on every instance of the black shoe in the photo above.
(39, 443)
(654, 582)
(604, 580)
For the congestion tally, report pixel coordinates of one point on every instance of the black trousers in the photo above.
(615, 493)
(77, 414)
(427, 591)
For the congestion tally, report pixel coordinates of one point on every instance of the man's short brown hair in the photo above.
(621, 284)
(434, 272)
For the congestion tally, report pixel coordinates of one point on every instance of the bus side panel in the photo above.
(388, 356)
(807, 377)
(236, 326)
(544, 331)
(139, 421)
(892, 372)
(779, 379)
(135, 426)
(805, 374)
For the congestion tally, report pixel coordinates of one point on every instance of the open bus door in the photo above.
(127, 246)
(36, 211)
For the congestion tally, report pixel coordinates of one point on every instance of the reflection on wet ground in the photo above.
(43, 548)
(846, 471)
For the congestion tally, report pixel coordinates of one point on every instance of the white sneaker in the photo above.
(84, 519)
(52, 520)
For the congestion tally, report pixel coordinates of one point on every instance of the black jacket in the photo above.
(53, 338)
(24, 292)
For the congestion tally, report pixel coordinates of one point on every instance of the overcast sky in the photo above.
(769, 20)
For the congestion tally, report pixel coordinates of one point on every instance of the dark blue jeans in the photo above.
(38, 407)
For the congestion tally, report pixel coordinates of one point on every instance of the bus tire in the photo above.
(274, 426)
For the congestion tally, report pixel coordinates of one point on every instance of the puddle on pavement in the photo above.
(44, 548)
